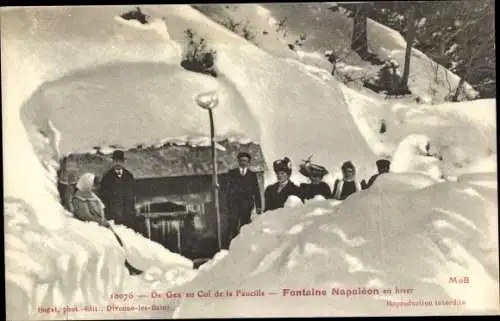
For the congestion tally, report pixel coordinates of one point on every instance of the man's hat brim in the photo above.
(243, 154)
(382, 163)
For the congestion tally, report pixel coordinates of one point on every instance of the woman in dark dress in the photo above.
(348, 184)
(276, 194)
(317, 186)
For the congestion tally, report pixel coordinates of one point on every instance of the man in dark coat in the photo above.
(276, 194)
(383, 166)
(243, 195)
(117, 191)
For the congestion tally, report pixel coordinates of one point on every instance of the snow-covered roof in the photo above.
(170, 160)
(130, 104)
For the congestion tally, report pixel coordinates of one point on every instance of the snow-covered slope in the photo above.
(402, 233)
(331, 31)
(463, 134)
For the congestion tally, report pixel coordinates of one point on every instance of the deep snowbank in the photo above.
(76, 263)
(413, 236)
(463, 133)
(79, 263)
(135, 104)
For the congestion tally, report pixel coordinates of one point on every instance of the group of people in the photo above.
(113, 197)
(244, 194)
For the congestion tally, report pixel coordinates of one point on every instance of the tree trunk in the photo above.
(472, 55)
(409, 44)
(334, 67)
(359, 40)
(457, 92)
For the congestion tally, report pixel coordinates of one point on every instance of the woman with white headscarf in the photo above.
(86, 205)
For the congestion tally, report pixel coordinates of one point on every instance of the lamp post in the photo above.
(209, 101)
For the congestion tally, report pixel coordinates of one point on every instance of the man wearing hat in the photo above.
(243, 195)
(117, 191)
(383, 166)
(276, 194)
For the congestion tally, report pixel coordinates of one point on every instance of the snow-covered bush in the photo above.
(298, 42)
(197, 56)
(243, 29)
(136, 14)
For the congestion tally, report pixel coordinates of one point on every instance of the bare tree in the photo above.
(281, 26)
(476, 54)
(409, 45)
(359, 42)
(359, 12)
(464, 42)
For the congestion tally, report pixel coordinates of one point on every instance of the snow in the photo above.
(55, 93)
(411, 157)
(208, 100)
(267, 106)
(407, 230)
(333, 30)
(437, 33)
(452, 49)
(81, 263)
(408, 180)
(55, 259)
(421, 22)
(157, 25)
(348, 68)
(413, 236)
(463, 133)
(144, 254)
(89, 99)
(293, 201)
